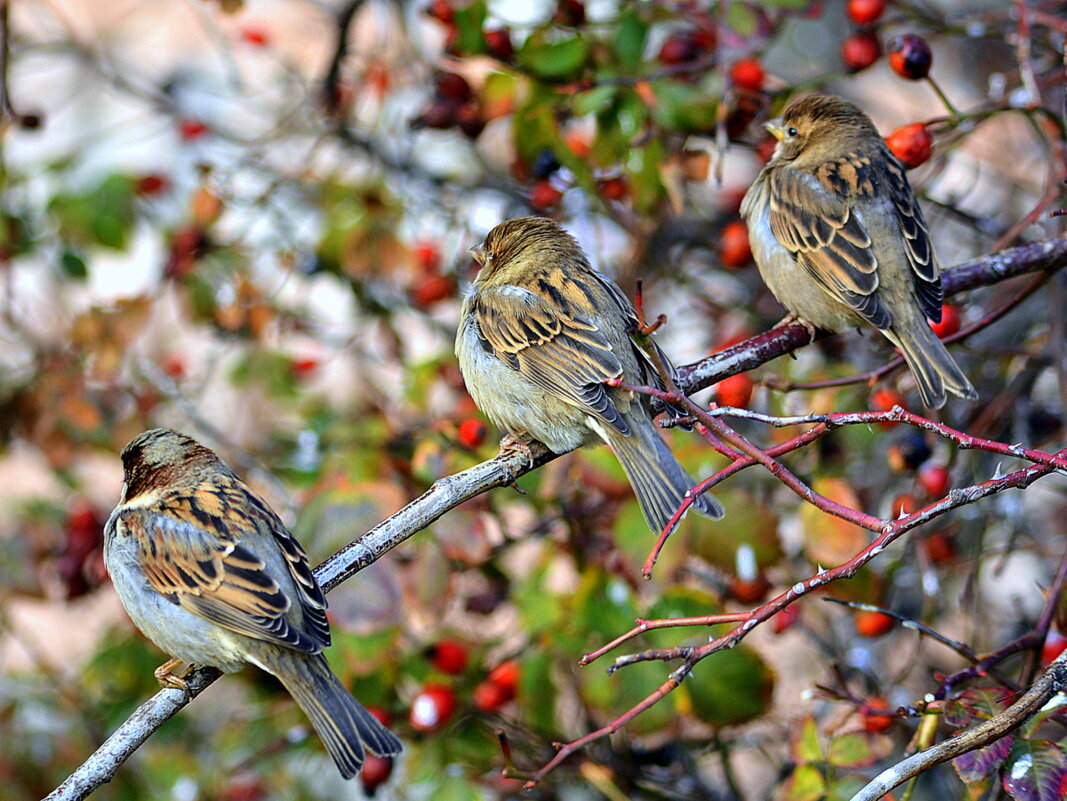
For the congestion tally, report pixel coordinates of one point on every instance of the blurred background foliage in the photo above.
(250, 220)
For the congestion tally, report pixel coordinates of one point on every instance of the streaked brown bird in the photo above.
(839, 238)
(212, 576)
(541, 333)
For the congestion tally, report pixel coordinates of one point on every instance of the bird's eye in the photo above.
(791, 131)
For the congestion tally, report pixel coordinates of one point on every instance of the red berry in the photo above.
(938, 547)
(1055, 644)
(255, 36)
(375, 772)
(381, 714)
(243, 788)
(472, 433)
(872, 624)
(151, 184)
(440, 115)
(765, 149)
(506, 674)
(864, 12)
(786, 619)
(884, 399)
(860, 50)
(427, 256)
(498, 44)
(748, 74)
(174, 365)
(874, 722)
(447, 655)
(735, 249)
(684, 47)
(903, 504)
(190, 129)
(489, 696)
(910, 56)
(442, 10)
(303, 367)
(735, 391)
(453, 87)
(934, 479)
(432, 289)
(911, 144)
(432, 707)
(469, 119)
(614, 188)
(749, 591)
(570, 13)
(950, 322)
(544, 196)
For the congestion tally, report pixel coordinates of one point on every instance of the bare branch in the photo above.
(1051, 682)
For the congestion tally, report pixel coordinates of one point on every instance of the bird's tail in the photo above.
(341, 721)
(658, 481)
(935, 371)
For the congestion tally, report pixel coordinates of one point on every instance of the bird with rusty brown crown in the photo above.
(541, 335)
(839, 238)
(210, 574)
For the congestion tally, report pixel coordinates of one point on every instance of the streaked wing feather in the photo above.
(564, 353)
(918, 248)
(816, 225)
(214, 577)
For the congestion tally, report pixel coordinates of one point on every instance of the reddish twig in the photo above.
(648, 625)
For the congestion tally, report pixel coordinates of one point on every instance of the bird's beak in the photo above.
(478, 253)
(776, 127)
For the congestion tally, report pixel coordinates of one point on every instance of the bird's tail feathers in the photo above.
(342, 722)
(658, 481)
(934, 369)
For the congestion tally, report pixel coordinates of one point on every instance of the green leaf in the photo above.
(683, 107)
(537, 690)
(594, 101)
(630, 39)
(554, 61)
(806, 783)
(469, 21)
(646, 181)
(757, 527)
(805, 747)
(858, 749)
(73, 265)
(743, 19)
(731, 687)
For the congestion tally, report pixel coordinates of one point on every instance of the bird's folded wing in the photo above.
(818, 227)
(213, 576)
(919, 251)
(562, 352)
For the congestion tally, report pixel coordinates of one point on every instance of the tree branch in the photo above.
(1051, 682)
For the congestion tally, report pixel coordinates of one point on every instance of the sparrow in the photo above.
(541, 334)
(839, 238)
(211, 575)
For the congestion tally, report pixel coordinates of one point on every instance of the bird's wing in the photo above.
(815, 223)
(564, 352)
(812, 215)
(196, 555)
(917, 246)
